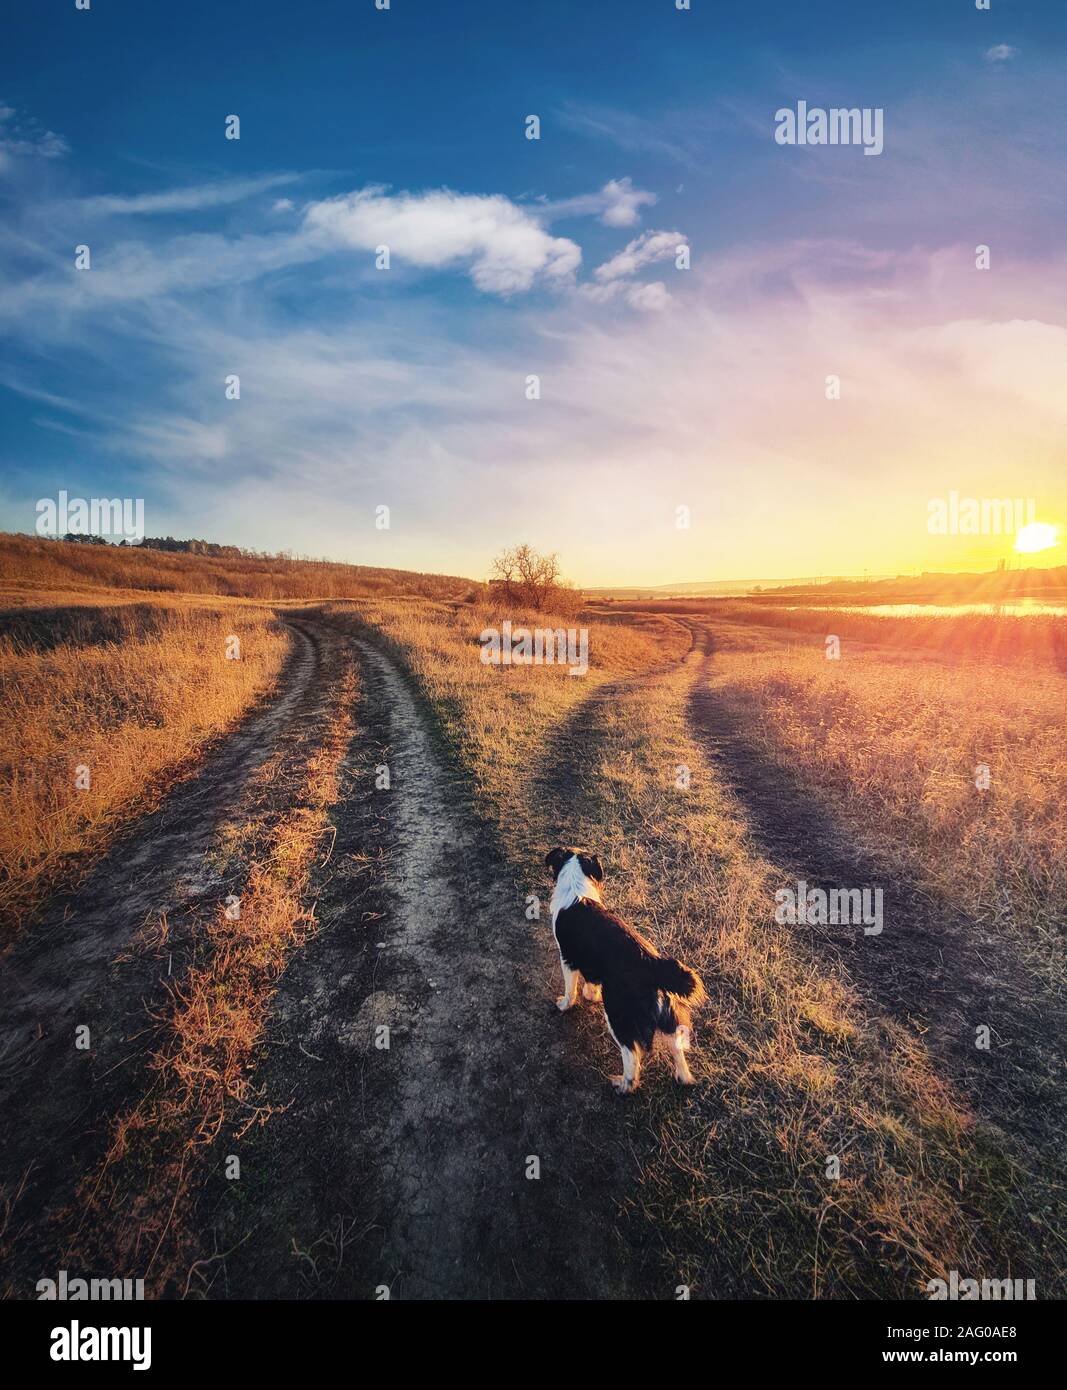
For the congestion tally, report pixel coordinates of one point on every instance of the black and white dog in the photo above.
(643, 993)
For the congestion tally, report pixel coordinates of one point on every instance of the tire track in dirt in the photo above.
(426, 1144)
(934, 970)
(80, 965)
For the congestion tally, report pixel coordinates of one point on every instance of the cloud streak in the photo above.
(23, 137)
(178, 200)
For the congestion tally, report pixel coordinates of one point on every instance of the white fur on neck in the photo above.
(572, 884)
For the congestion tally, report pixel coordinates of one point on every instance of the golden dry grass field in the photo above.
(849, 1137)
(102, 705)
(798, 1066)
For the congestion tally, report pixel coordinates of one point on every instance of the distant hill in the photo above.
(198, 567)
(710, 588)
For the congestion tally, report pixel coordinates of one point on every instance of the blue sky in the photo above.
(660, 387)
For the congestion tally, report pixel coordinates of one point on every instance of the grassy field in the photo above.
(102, 705)
(497, 717)
(138, 1204)
(1010, 640)
(30, 563)
(796, 1069)
(897, 742)
(829, 1149)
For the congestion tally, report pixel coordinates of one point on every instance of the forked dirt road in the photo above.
(446, 1164)
(454, 1162)
(436, 1129)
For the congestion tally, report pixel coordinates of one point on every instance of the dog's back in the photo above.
(644, 991)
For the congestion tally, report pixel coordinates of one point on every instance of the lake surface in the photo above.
(1018, 608)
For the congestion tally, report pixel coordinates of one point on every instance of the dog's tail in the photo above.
(676, 978)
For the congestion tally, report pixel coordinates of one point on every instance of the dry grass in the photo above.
(1009, 639)
(126, 692)
(141, 1200)
(31, 563)
(795, 1069)
(894, 746)
(497, 717)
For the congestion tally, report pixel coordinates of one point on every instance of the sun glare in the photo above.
(1038, 535)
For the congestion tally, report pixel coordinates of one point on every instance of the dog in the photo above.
(643, 992)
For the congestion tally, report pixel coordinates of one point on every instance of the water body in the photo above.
(1018, 608)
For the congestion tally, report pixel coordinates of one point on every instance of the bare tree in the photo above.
(524, 578)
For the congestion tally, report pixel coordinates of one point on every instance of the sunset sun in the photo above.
(1038, 535)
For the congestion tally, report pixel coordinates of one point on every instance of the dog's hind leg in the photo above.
(678, 1041)
(569, 996)
(631, 1071)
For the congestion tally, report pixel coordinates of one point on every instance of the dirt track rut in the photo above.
(930, 968)
(415, 1166)
(80, 964)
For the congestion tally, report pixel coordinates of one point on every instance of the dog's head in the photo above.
(589, 863)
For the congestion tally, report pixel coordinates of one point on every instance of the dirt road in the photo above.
(438, 1130)
(443, 1165)
(447, 1164)
(84, 966)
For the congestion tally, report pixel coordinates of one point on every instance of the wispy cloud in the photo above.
(195, 199)
(666, 139)
(617, 204)
(396, 407)
(505, 248)
(22, 136)
(1001, 53)
(129, 271)
(643, 250)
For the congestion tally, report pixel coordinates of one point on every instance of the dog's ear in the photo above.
(556, 858)
(592, 867)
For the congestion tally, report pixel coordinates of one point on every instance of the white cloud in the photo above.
(643, 250)
(617, 204)
(650, 298)
(1001, 53)
(185, 199)
(624, 203)
(393, 405)
(25, 138)
(504, 246)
